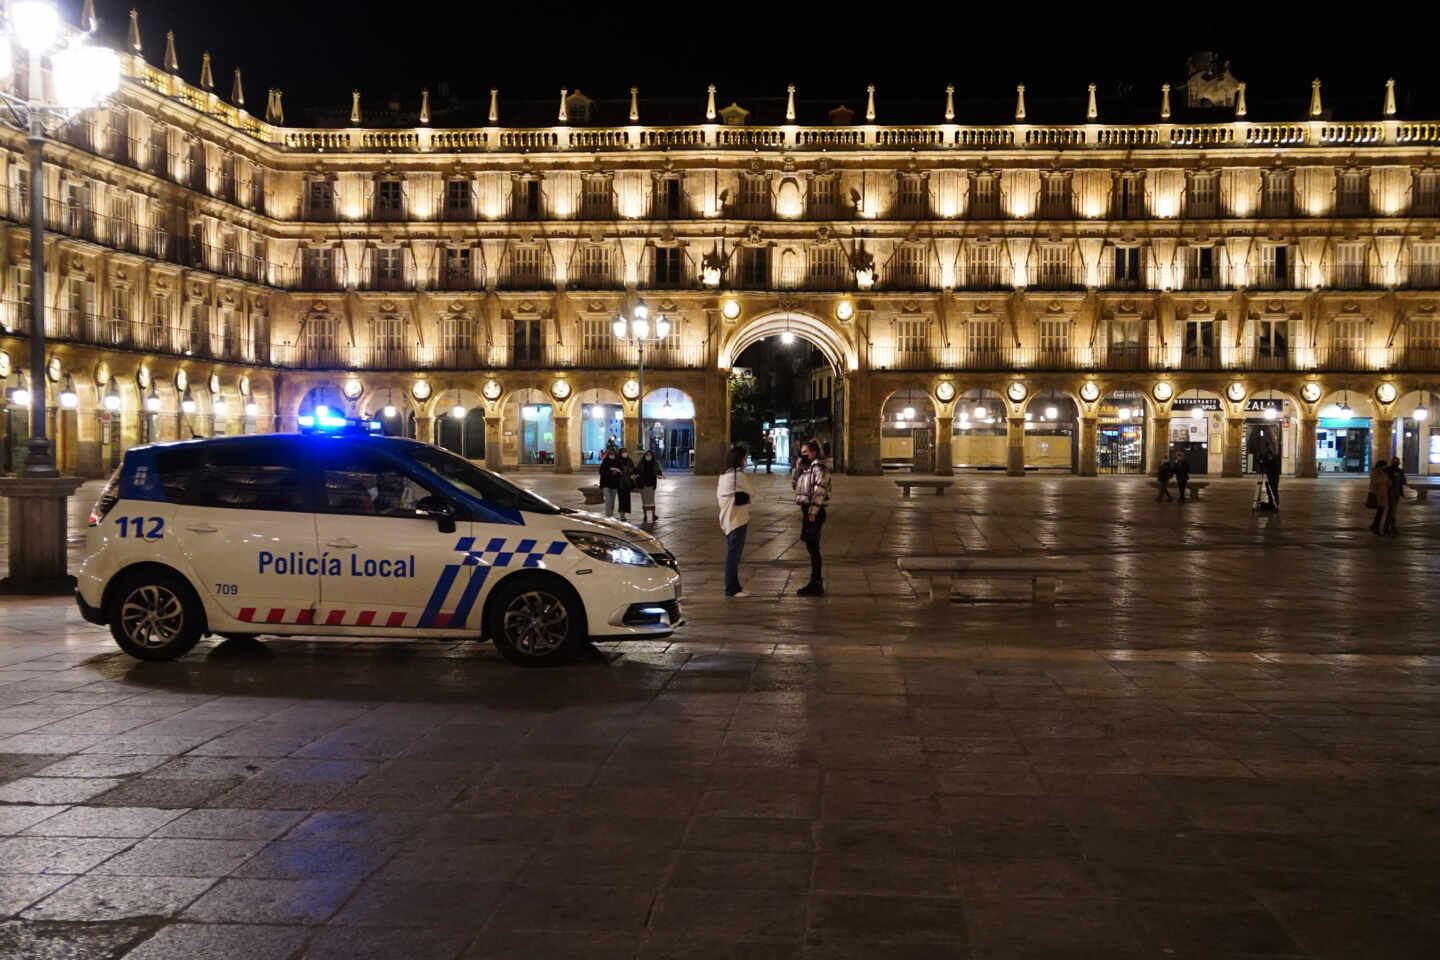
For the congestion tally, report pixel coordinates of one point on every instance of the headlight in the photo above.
(609, 549)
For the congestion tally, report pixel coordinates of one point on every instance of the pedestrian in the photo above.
(609, 479)
(1269, 464)
(811, 482)
(1167, 470)
(625, 471)
(1396, 491)
(734, 493)
(768, 452)
(1182, 473)
(1378, 499)
(647, 477)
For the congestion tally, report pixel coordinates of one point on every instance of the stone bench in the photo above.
(1042, 572)
(1422, 487)
(937, 485)
(592, 493)
(1193, 486)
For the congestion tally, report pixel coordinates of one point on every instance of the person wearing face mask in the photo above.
(624, 471)
(647, 477)
(811, 483)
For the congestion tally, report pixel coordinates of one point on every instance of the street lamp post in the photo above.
(81, 76)
(637, 329)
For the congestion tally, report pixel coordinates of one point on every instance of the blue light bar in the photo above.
(333, 423)
(307, 421)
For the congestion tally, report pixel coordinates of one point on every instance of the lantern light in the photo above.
(219, 405)
(389, 411)
(36, 24)
(619, 327)
(458, 411)
(112, 397)
(980, 411)
(187, 403)
(152, 402)
(251, 408)
(1052, 413)
(69, 399)
(662, 327)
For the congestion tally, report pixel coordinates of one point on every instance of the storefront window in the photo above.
(1342, 445)
(1120, 437)
(602, 424)
(537, 434)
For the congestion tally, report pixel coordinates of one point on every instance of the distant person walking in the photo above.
(647, 478)
(811, 482)
(1182, 473)
(1167, 470)
(767, 453)
(1269, 464)
(1378, 498)
(610, 471)
(1396, 472)
(625, 482)
(733, 492)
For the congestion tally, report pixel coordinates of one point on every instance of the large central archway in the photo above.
(837, 349)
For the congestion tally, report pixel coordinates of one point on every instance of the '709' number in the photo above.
(135, 527)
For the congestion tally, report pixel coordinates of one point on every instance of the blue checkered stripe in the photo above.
(494, 554)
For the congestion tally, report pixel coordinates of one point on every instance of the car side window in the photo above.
(359, 482)
(255, 475)
(177, 470)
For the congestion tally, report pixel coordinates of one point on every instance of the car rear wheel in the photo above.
(155, 615)
(536, 621)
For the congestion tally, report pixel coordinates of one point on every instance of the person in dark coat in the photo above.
(647, 478)
(625, 471)
(1395, 493)
(610, 473)
(1182, 474)
(1167, 470)
(1268, 463)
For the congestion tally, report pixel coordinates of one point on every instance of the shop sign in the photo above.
(1196, 403)
(1257, 405)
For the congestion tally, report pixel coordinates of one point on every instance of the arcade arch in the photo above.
(667, 427)
(907, 431)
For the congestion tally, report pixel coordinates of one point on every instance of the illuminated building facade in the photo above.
(1104, 293)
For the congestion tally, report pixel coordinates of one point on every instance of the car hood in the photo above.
(594, 522)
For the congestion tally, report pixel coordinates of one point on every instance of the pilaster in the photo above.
(1382, 439)
(1015, 447)
(562, 444)
(1159, 443)
(1305, 448)
(1086, 463)
(1230, 464)
(494, 452)
(944, 447)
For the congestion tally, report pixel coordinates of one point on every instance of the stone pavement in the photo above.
(1224, 742)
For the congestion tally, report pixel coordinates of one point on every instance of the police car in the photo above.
(343, 533)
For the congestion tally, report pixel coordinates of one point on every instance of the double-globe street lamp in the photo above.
(81, 75)
(638, 329)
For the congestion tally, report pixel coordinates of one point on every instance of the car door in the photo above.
(247, 532)
(386, 567)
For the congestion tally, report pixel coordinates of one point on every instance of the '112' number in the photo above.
(135, 527)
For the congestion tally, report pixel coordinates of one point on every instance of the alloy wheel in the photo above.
(152, 616)
(537, 623)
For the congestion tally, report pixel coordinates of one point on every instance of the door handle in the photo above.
(342, 544)
(202, 528)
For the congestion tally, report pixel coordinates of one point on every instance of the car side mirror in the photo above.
(438, 508)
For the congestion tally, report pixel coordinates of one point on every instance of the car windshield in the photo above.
(481, 483)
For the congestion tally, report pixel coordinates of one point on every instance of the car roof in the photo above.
(395, 443)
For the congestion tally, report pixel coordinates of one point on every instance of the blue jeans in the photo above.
(734, 546)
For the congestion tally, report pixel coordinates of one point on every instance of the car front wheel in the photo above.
(536, 621)
(155, 615)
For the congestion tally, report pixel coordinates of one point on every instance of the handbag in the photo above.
(741, 497)
(1372, 502)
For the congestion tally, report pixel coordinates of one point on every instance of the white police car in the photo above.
(350, 534)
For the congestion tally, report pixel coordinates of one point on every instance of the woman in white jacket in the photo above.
(734, 493)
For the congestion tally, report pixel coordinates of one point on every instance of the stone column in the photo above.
(944, 446)
(1382, 437)
(1015, 451)
(631, 437)
(562, 444)
(494, 445)
(862, 425)
(1086, 464)
(425, 429)
(38, 520)
(1159, 443)
(1305, 448)
(1230, 465)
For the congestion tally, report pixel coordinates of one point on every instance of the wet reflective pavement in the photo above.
(1222, 742)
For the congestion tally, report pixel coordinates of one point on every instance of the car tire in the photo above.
(535, 621)
(155, 615)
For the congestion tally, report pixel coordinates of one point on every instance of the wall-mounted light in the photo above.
(844, 310)
(251, 408)
(219, 405)
(730, 309)
(187, 404)
(152, 400)
(112, 397)
(69, 399)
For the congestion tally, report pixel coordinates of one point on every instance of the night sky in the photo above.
(318, 50)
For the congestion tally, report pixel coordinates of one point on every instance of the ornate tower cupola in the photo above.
(172, 62)
(207, 77)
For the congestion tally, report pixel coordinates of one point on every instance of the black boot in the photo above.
(815, 588)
